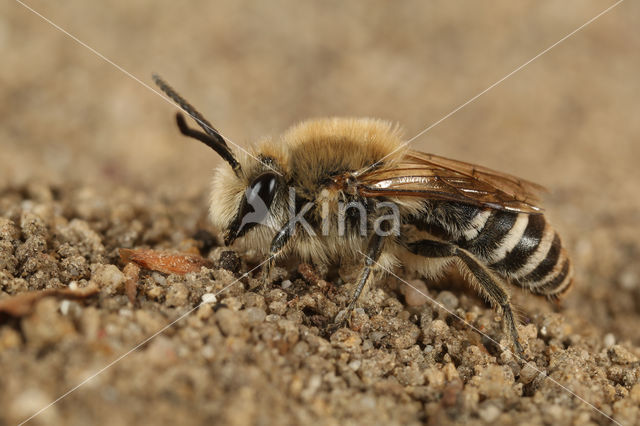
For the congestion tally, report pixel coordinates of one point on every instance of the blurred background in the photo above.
(568, 120)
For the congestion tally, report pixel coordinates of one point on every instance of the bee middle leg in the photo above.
(374, 250)
(485, 280)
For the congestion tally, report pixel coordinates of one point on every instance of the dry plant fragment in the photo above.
(132, 274)
(311, 276)
(308, 273)
(167, 263)
(22, 304)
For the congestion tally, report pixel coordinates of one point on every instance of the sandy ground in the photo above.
(90, 161)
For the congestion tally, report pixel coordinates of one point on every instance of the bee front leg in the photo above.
(484, 279)
(373, 255)
(277, 245)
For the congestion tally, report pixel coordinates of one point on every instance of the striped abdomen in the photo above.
(521, 247)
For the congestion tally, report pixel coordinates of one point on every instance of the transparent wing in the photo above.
(438, 178)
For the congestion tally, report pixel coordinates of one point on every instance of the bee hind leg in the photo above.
(485, 281)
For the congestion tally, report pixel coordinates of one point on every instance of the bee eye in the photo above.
(255, 206)
(264, 186)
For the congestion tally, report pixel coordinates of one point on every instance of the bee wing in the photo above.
(438, 178)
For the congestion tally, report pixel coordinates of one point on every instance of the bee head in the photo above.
(257, 196)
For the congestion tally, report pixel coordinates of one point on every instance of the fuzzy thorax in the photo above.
(305, 157)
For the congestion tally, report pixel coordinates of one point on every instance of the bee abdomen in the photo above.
(523, 248)
(548, 270)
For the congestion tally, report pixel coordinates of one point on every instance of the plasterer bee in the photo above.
(447, 212)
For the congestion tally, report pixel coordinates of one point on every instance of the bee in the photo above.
(398, 207)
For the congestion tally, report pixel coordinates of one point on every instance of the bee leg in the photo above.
(373, 254)
(487, 283)
(277, 245)
(495, 292)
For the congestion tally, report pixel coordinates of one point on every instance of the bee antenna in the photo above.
(212, 138)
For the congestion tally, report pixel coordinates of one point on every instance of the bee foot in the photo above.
(339, 321)
(333, 327)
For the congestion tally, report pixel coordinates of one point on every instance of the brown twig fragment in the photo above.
(167, 263)
(132, 274)
(22, 304)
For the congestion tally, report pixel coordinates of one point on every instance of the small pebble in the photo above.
(415, 293)
(177, 294)
(255, 315)
(620, 355)
(108, 277)
(629, 279)
(609, 340)
(489, 413)
(64, 307)
(229, 322)
(528, 372)
(286, 284)
(448, 300)
(209, 298)
(347, 340)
